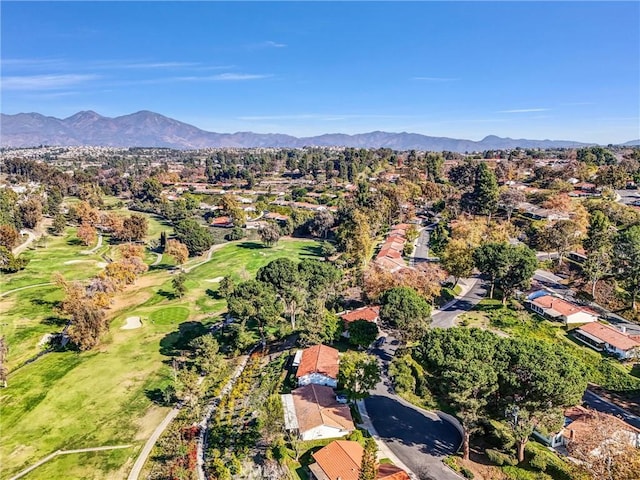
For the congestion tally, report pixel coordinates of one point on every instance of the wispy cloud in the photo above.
(320, 116)
(45, 82)
(265, 44)
(435, 79)
(573, 104)
(158, 65)
(234, 77)
(525, 110)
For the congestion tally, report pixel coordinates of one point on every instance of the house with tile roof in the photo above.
(369, 313)
(577, 427)
(318, 365)
(314, 413)
(341, 460)
(559, 309)
(605, 338)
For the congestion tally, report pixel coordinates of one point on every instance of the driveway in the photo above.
(421, 252)
(598, 403)
(446, 317)
(420, 439)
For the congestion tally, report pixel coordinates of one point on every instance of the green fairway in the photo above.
(169, 315)
(74, 400)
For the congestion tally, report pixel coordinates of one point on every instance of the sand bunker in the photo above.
(101, 264)
(45, 339)
(132, 323)
(71, 262)
(214, 280)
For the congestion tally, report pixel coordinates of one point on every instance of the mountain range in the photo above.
(149, 129)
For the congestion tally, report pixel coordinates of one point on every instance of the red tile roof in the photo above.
(341, 459)
(319, 359)
(610, 335)
(562, 306)
(369, 314)
(316, 405)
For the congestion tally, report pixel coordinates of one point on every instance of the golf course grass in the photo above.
(70, 400)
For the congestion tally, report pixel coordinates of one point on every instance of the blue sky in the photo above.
(520, 69)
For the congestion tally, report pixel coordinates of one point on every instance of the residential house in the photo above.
(576, 426)
(341, 460)
(222, 222)
(605, 338)
(314, 413)
(318, 365)
(559, 309)
(370, 314)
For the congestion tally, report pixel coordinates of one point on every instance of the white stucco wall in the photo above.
(317, 379)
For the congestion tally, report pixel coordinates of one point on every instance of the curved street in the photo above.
(420, 439)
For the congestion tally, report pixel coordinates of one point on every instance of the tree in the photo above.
(457, 259)
(269, 234)
(232, 208)
(369, 463)
(206, 355)
(9, 236)
(483, 200)
(177, 250)
(510, 199)
(362, 333)
(87, 234)
(461, 362)
(197, 238)
(599, 232)
(30, 212)
(358, 374)
(508, 266)
(596, 266)
(151, 190)
(626, 255)
(178, 284)
(226, 287)
(59, 223)
(9, 263)
(537, 381)
(327, 250)
(321, 223)
(88, 323)
(188, 387)
(433, 166)
(354, 237)
(285, 278)
(560, 237)
(271, 417)
(606, 451)
(255, 301)
(134, 228)
(406, 311)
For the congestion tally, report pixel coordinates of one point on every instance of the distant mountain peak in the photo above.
(149, 129)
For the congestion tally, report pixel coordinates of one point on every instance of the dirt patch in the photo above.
(73, 262)
(131, 323)
(214, 280)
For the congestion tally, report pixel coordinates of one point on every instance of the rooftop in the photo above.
(316, 405)
(319, 359)
(609, 335)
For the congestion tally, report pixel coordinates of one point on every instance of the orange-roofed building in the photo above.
(341, 460)
(559, 309)
(606, 338)
(318, 365)
(314, 413)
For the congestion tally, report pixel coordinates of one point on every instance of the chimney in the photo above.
(572, 434)
(623, 329)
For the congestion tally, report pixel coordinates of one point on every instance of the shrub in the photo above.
(452, 463)
(498, 458)
(539, 461)
(236, 233)
(466, 473)
(515, 473)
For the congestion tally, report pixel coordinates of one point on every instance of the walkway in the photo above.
(94, 249)
(65, 452)
(4, 294)
(146, 450)
(24, 245)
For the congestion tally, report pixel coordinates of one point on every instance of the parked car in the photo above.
(379, 342)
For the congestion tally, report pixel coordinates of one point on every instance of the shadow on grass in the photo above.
(214, 294)
(252, 245)
(56, 321)
(158, 396)
(167, 295)
(74, 242)
(173, 343)
(45, 303)
(311, 251)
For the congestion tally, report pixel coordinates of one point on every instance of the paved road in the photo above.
(592, 400)
(421, 252)
(628, 197)
(24, 245)
(446, 317)
(418, 438)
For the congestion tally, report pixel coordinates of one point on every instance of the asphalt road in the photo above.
(446, 317)
(421, 252)
(420, 439)
(595, 402)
